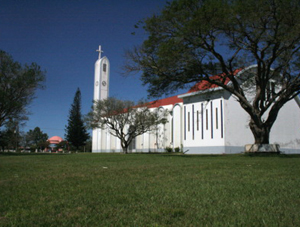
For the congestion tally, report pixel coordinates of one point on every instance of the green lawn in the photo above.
(149, 190)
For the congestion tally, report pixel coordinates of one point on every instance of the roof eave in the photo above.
(199, 92)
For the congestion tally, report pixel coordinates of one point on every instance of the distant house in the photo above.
(53, 142)
(208, 120)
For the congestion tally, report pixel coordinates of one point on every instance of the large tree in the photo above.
(191, 40)
(10, 135)
(36, 139)
(124, 119)
(76, 133)
(18, 85)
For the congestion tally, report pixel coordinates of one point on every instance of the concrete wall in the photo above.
(203, 130)
(286, 129)
(177, 120)
(212, 123)
(237, 131)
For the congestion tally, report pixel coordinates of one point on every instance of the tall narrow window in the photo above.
(193, 122)
(202, 129)
(184, 123)
(206, 119)
(211, 120)
(197, 120)
(189, 121)
(217, 120)
(104, 67)
(221, 113)
(172, 130)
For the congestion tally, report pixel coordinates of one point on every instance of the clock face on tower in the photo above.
(103, 83)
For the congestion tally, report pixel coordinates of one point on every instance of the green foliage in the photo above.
(10, 136)
(124, 119)
(76, 133)
(148, 190)
(177, 149)
(18, 85)
(191, 40)
(63, 147)
(8, 139)
(36, 139)
(169, 149)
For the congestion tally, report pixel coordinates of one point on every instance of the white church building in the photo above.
(205, 120)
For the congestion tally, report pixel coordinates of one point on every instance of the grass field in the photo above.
(149, 190)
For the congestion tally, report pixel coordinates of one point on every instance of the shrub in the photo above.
(169, 149)
(177, 149)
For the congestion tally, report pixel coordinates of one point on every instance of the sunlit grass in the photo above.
(149, 190)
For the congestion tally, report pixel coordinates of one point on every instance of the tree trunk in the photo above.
(125, 149)
(260, 132)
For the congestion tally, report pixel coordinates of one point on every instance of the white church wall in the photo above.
(118, 145)
(237, 132)
(177, 125)
(160, 137)
(165, 129)
(104, 141)
(152, 142)
(160, 134)
(113, 144)
(167, 132)
(286, 129)
(96, 137)
(144, 146)
(108, 143)
(140, 143)
(202, 129)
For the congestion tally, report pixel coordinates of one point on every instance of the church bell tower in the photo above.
(101, 91)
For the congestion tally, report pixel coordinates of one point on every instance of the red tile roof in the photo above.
(55, 139)
(166, 101)
(201, 86)
(204, 85)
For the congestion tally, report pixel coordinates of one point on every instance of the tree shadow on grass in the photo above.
(29, 154)
(180, 155)
(263, 155)
(267, 155)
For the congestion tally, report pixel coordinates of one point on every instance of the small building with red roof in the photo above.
(54, 142)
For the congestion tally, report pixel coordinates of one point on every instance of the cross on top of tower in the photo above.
(100, 51)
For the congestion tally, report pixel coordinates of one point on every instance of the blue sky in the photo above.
(62, 37)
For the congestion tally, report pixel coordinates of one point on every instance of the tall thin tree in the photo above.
(76, 133)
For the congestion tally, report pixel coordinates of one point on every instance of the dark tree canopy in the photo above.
(36, 138)
(10, 135)
(191, 40)
(18, 85)
(124, 119)
(76, 133)
(9, 139)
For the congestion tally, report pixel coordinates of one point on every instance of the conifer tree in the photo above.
(76, 133)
